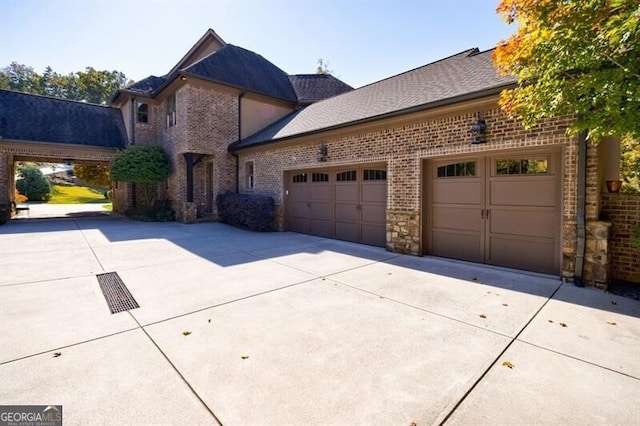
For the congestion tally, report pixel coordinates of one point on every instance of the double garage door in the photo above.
(346, 203)
(500, 209)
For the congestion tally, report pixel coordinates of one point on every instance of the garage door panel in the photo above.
(321, 210)
(374, 192)
(320, 227)
(320, 192)
(346, 192)
(521, 192)
(531, 254)
(300, 224)
(300, 209)
(457, 217)
(347, 231)
(374, 213)
(373, 234)
(533, 222)
(346, 212)
(457, 191)
(465, 246)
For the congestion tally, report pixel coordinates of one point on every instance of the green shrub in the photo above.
(145, 165)
(32, 183)
(154, 214)
(252, 211)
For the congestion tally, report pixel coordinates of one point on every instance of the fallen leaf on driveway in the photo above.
(209, 319)
(508, 364)
(482, 316)
(57, 354)
(244, 356)
(413, 424)
(551, 321)
(563, 324)
(504, 304)
(613, 302)
(611, 323)
(186, 333)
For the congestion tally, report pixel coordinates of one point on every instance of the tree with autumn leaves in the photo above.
(576, 58)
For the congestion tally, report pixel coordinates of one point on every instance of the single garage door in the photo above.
(502, 209)
(346, 203)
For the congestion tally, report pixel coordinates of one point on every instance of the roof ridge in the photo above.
(467, 53)
(204, 57)
(86, 103)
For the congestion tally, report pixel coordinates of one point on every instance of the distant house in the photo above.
(423, 162)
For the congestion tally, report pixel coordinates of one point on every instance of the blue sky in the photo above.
(363, 41)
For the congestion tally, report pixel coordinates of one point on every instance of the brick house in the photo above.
(423, 162)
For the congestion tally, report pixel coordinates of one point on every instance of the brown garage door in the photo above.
(346, 203)
(502, 209)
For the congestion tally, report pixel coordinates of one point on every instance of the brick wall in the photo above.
(623, 211)
(404, 147)
(206, 123)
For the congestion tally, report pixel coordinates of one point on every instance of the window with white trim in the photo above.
(171, 110)
(249, 176)
(142, 112)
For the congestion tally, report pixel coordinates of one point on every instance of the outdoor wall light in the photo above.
(479, 131)
(322, 153)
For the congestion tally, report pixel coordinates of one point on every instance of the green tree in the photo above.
(90, 85)
(93, 174)
(574, 57)
(630, 164)
(32, 183)
(146, 165)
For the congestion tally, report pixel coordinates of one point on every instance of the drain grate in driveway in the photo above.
(116, 293)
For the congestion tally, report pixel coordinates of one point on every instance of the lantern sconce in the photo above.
(322, 153)
(479, 131)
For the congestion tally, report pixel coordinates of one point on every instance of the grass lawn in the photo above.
(75, 195)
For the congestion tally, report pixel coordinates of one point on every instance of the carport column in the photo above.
(6, 183)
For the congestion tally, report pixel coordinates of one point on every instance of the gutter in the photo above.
(580, 208)
(443, 102)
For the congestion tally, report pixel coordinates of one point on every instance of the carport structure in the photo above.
(45, 129)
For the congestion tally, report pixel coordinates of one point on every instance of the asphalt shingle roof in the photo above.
(147, 86)
(36, 118)
(447, 80)
(244, 69)
(315, 87)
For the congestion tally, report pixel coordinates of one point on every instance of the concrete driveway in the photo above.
(242, 328)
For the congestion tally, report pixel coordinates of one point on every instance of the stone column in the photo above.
(596, 258)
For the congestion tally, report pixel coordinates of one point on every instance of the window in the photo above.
(346, 176)
(171, 110)
(457, 169)
(375, 175)
(300, 178)
(248, 173)
(143, 112)
(320, 177)
(522, 166)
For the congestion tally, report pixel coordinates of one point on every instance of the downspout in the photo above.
(132, 120)
(580, 208)
(240, 96)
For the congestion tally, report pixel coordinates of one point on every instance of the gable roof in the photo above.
(467, 75)
(244, 69)
(36, 118)
(311, 88)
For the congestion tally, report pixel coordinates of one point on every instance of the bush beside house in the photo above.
(253, 211)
